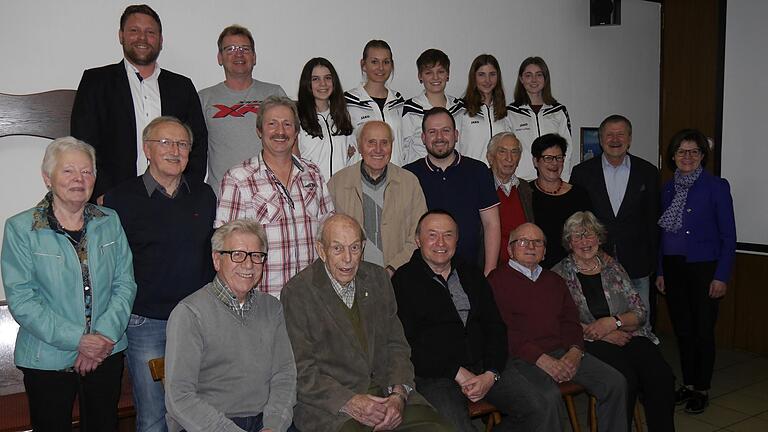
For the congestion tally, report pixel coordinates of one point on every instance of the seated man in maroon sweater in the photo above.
(544, 334)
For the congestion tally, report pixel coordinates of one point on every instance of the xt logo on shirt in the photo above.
(238, 109)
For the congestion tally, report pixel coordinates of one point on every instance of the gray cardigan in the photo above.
(218, 366)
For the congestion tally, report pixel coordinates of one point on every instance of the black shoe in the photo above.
(683, 395)
(697, 403)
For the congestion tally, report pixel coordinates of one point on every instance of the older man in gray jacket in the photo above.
(352, 358)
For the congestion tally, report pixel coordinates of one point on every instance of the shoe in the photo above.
(683, 395)
(697, 403)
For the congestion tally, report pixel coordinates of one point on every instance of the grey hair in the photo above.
(61, 145)
(148, 129)
(275, 101)
(586, 221)
(247, 226)
(324, 222)
(359, 133)
(496, 139)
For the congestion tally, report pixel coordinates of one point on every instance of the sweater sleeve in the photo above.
(183, 357)
(278, 412)
(570, 327)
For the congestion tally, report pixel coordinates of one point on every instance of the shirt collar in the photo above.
(341, 291)
(152, 185)
(44, 218)
(226, 296)
(506, 187)
(532, 275)
(433, 167)
(625, 164)
(371, 180)
(132, 71)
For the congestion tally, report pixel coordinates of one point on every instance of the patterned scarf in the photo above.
(672, 219)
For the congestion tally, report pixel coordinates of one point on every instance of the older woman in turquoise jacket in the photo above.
(68, 277)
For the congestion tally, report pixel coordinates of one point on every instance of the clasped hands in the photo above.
(92, 350)
(474, 386)
(562, 369)
(381, 413)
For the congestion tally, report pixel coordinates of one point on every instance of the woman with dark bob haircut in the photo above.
(554, 200)
(612, 316)
(485, 104)
(535, 112)
(326, 129)
(698, 245)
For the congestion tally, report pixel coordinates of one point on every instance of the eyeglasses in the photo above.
(238, 256)
(550, 158)
(239, 49)
(692, 152)
(524, 242)
(583, 235)
(166, 143)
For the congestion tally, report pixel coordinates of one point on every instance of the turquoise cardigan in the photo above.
(44, 286)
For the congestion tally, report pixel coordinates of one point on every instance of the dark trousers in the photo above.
(512, 394)
(51, 395)
(647, 373)
(694, 315)
(253, 423)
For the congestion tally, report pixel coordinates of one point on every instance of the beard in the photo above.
(443, 153)
(143, 59)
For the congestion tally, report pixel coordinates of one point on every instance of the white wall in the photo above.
(595, 71)
(744, 152)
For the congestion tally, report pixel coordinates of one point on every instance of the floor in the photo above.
(738, 398)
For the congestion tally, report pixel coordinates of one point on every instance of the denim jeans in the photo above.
(146, 340)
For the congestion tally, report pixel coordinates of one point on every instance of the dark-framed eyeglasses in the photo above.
(237, 49)
(551, 158)
(583, 235)
(524, 242)
(183, 145)
(692, 152)
(238, 256)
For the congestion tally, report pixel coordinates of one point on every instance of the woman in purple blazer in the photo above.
(698, 245)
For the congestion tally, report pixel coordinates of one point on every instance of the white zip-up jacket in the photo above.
(328, 152)
(413, 114)
(528, 126)
(475, 132)
(362, 109)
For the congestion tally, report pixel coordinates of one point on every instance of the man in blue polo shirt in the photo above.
(462, 186)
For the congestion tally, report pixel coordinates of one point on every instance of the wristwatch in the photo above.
(618, 321)
(496, 375)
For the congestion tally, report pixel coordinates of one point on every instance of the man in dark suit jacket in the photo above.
(352, 360)
(624, 190)
(114, 103)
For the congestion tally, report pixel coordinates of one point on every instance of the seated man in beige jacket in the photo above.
(383, 198)
(352, 358)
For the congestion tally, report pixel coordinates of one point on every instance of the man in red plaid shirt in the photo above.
(283, 192)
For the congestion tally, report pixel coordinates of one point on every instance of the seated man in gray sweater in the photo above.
(228, 361)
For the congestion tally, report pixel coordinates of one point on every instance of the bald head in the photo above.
(527, 245)
(340, 246)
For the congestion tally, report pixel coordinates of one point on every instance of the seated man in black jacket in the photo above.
(457, 338)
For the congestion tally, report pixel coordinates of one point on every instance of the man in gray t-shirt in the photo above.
(230, 106)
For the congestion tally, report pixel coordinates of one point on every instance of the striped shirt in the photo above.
(225, 295)
(290, 213)
(345, 293)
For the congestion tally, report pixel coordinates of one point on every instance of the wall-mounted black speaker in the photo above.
(604, 12)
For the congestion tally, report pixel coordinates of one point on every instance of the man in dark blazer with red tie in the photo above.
(115, 102)
(624, 190)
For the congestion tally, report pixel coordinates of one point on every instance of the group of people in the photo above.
(355, 260)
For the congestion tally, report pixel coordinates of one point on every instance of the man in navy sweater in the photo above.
(458, 340)
(168, 219)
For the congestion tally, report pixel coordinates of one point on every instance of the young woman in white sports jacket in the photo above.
(485, 112)
(535, 113)
(434, 68)
(373, 100)
(326, 128)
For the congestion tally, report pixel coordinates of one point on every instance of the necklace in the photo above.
(555, 192)
(588, 270)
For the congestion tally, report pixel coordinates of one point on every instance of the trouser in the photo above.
(600, 380)
(253, 423)
(51, 395)
(416, 418)
(512, 394)
(647, 373)
(694, 315)
(146, 341)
